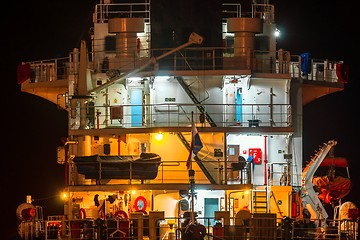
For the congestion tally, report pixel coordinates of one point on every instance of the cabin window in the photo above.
(110, 44)
(262, 43)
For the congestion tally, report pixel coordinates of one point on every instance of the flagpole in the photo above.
(195, 147)
(192, 173)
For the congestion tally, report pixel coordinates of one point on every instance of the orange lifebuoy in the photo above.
(121, 213)
(82, 213)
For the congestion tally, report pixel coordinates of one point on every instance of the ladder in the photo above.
(259, 201)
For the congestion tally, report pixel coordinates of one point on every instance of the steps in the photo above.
(259, 201)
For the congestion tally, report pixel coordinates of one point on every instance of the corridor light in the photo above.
(159, 136)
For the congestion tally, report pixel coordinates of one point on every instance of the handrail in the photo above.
(174, 115)
(197, 58)
(129, 10)
(266, 224)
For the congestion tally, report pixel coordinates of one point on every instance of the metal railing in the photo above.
(125, 10)
(171, 171)
(256, 226)
(165, 172)
(179, 115)
(319, 70)
(199, 58)
(135, 10)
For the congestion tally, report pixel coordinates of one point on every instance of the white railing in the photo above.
(179, 115)
(199, 58)
(256, 226)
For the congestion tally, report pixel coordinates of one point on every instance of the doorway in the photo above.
(210, 206)
(136, 109)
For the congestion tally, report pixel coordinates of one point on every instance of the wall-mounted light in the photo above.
(64, 196)
(277, 33)
(159, 136)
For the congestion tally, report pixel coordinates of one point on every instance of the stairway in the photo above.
(209, 120)
(196, 101)
(259, 201)
(197, 160)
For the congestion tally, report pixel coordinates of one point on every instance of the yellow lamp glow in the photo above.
(159, 136)
(64, 195)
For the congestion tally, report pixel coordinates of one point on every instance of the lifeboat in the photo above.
(118, 167)
(332, 179)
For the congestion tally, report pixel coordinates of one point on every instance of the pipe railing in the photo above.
(177, 115)
(264, 226)
(193, 58)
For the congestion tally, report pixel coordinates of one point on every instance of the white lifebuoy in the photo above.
(140, 204)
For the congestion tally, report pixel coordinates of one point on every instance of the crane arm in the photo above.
(194, 38)
(309, 197)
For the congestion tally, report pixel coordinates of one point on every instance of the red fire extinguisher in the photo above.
(218, 230)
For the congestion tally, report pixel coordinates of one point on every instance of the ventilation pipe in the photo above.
(126, 42)
(244, 30)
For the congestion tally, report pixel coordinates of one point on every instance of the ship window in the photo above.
(110, 43)
(106, 148)
(229, 41)
(262, 43)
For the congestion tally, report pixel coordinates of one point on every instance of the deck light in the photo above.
(159, 136)
(64, 196)
(277, 32)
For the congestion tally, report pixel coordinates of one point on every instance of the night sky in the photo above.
(35, 30)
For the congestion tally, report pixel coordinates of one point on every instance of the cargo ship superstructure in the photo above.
(175, 133)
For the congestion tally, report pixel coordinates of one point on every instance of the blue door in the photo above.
(136, 110)
(211, 205)
(238, 109)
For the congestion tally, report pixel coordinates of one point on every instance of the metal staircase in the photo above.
(197, 160)
(196, 101)
(260, 201)
(207, 118)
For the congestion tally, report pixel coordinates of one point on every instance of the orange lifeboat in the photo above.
(333, 179)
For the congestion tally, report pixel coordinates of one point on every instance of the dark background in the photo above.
(33, 127)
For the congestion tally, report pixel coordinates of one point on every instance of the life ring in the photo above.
(196, 231)
(140, 204)
(199, 231)
(121, 214)
(82, 213)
